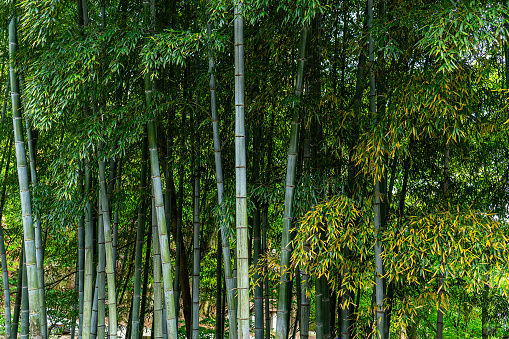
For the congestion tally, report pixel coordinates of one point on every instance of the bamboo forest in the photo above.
(254, 169)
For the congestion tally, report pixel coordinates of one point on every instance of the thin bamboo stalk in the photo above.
(39, 258)
(283, 306)
(135, 330)
(25, 315)
(101, 266)
(5, 273)
(81, 260)
(196, 220)
(88, 294)
(110, 265)
(158, 197)
(145, 282)
(19, 288)
(378, 208)
(241, 176)
(232, 311)
(219, 289)
(24, 190)
(158, 302)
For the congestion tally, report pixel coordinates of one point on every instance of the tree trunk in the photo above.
(24, 190)
(283, 306)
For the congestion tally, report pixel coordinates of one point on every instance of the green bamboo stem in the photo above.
(241, 176)
(39, 257)
(75, 306)
(257, 237)
(283, 307)
(265, 223)
(88, 287)
(81, 261)
(3, 258)
(110, 265)
(318, 309)
(158, 302)
(95, 303)
(196, 220)
(140, 229)
(24, 190)
(219, 289)
(378, 208)
(25, 315)
(19, 292)
(101, 266)
(232, 311)
(145, 282)
(159, 203)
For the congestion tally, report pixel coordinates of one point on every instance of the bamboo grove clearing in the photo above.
(254, 169)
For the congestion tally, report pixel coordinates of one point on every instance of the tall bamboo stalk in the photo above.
(145, 282)
(39, 258)
(25, 314)
(81, 259)
(241, 176)
(283, 306)
(257, 237)
(378, 191)
(88, 294)
(101, 266)
(196, 217)
(158, 302)
(5, 273)
(19, 292)
(110, 265)
(219, 289)
(232, 311)
(24, 190)
(159, 202)
(140, 229)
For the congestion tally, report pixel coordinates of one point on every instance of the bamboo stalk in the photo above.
(88, 294)
(24, 190)
(25, 315)
(110, 265)
(101, 266)
(3, 258)
(240, 177)
(158, 302)
(39, 257)
(225, 242)
(135, 330)
(283, 306)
